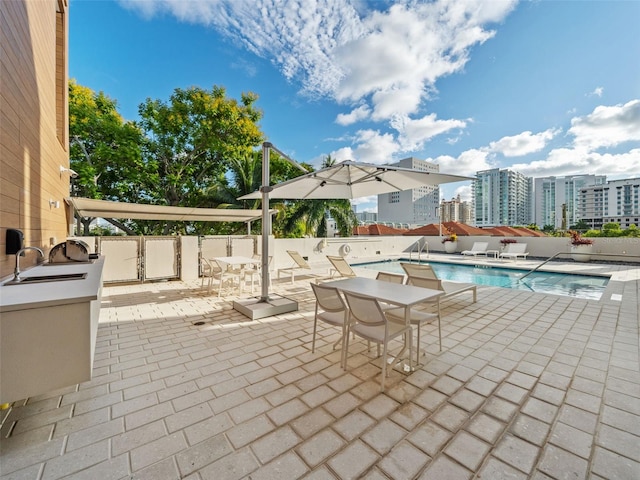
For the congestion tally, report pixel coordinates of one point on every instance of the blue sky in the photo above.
(540, 87)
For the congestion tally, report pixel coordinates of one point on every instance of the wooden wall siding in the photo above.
(33, 124)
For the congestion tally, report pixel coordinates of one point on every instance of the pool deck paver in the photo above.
(527, 385)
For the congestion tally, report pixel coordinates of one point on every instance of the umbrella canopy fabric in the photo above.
(351, 179)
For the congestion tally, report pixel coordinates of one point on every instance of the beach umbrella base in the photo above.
(256, 308)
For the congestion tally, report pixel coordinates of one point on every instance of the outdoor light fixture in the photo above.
(323, 183)
(72, 173)
(378, 179)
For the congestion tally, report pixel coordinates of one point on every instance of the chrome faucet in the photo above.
(16, 272)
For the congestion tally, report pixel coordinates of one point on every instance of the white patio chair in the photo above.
(331, 309)
(478, 248)
(227, 273)
(254, 272)
(418, 317)
(367, 320)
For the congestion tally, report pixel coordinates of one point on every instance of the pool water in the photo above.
(573, 285)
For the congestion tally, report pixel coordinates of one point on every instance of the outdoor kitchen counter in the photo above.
(50, 294)
(48, 330)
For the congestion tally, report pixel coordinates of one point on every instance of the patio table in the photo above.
(404, 296)
(235, 261)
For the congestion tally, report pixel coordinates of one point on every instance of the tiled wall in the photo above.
(33, 124)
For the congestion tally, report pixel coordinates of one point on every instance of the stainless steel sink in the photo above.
(47, 278)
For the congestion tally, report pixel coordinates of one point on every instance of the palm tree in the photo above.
(313, 214)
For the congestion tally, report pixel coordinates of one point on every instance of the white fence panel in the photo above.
(160, 258)
(122, 256)
(243, 247)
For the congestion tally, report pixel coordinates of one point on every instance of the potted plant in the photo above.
(450, 243)
(580, 247)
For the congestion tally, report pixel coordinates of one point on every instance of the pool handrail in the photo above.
(569, 253)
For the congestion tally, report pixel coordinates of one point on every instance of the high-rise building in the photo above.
(418, 206)
(456, 210)
(556, 199)
(502, 197)
(617, 201)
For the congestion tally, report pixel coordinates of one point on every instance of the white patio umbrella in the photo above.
(351, 180)
(347, 179)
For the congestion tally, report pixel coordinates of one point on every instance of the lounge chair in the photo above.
(300, 265)
(340, 267)
(422, 275)
(478, 248)
(515, 251)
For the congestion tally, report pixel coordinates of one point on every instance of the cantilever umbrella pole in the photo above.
(266, 218)
(266, 224)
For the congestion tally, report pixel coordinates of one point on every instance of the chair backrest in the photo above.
(390, 277)
(301, 262)
(480, 246)
(341, 266)
(432, 283)
(328, 298)
(421, 270)
(209, 268)
(516, 248)
(365, 310)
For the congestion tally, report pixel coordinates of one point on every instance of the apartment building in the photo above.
(415, 207)
(617, 201)
(34, 118)
(502, 197)
(557, 199)
(456, 210)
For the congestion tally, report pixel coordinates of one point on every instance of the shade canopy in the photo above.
(351, 179)
(87, 207)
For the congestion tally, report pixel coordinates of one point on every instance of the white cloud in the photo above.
(597, 92)
(467, 163)
(374, 147)
(348, 50)
(577, 161)
(607, 126)
(465, 192)
(523, 143)
(414, 133)
(357, 114)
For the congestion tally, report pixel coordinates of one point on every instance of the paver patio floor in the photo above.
(527, 386)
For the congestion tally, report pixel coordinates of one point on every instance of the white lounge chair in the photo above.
(341, 267)
(515, 251)
(478, 248)
(300, 265)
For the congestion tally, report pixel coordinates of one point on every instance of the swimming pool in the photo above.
(573, 285)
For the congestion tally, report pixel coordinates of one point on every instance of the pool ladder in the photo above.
(421, 248)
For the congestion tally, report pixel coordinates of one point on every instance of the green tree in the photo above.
(104, 150)
(244, 175)
(191, 141)
(312, 214)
